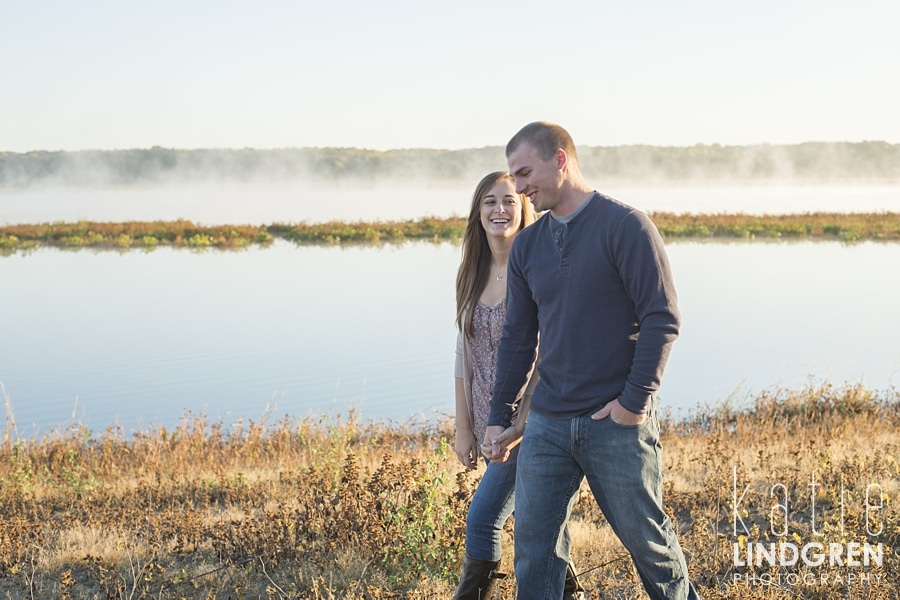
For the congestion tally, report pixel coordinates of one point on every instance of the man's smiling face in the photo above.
(539, 179)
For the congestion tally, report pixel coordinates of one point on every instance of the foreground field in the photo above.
(338, 508)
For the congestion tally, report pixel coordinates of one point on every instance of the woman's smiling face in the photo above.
(501, 210)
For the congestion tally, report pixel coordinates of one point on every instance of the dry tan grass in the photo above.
(342, 509)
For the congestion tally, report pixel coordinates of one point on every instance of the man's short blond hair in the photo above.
(546, 138)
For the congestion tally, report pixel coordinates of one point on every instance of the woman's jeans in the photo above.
(492, 504)
(623, 467)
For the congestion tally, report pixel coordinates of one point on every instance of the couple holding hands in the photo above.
(569, 328)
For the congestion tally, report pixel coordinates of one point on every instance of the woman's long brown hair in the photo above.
(475, 264)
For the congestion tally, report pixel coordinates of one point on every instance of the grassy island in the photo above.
(332, 507)
(847, 227)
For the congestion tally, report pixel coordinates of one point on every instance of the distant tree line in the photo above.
(872, 162)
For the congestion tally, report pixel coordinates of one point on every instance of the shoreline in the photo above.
(841, 227)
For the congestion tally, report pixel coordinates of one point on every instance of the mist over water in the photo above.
(258, 187)
(870, 162)
(264, 205)
(236, 205)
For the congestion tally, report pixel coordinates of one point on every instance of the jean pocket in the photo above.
(627, 426)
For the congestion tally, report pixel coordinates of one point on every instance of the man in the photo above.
(592, 278)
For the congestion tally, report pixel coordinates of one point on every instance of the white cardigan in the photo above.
(465, 370)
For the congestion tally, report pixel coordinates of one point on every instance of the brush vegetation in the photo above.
(882, 226)
(331, 507)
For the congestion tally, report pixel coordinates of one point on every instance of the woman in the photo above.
(496, 216)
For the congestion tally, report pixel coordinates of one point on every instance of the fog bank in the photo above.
(812, 162)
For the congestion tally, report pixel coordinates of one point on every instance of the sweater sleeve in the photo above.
(458, 369)
(534, 376)
(645, 270)
(518, 343)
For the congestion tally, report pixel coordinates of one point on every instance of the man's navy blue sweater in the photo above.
(599, 291)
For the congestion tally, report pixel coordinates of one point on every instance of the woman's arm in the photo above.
(518, 428)
(466, 447)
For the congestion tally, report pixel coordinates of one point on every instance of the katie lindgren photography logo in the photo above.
(834, 543)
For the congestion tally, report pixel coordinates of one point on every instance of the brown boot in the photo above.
(477, 579)
(572, 590)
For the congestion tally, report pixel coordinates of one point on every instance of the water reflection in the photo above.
(137, 338)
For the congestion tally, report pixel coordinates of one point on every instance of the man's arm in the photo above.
(518, 343)
(647, 276)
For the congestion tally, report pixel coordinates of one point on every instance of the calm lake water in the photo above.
(138, 338)
(291, 204)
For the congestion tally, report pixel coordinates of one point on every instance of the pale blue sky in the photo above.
(463, 74)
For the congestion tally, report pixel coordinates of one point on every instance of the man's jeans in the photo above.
(623, 467)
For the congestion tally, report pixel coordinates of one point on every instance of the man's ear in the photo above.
(561, 159)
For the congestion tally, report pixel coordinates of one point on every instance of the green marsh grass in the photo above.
(334, 507)
(846, 227)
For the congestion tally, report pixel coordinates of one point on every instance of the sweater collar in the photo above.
(568, 218)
